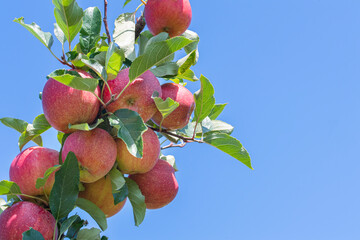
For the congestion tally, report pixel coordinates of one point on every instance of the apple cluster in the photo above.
(100, 150)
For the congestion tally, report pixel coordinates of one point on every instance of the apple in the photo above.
(137, 96)
(100, 193)
(31, 164)
(95, 150)
(129, 164)
(22, 216)
(63, 105)
(179, 118)
(159, 185)
(171, 16)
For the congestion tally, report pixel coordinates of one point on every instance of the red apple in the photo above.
(22, 216)
(179, 118)
(31, 164)
(130, 164)
(159, 186)
(137, 96)
(100, 193)
(63, 105)
(95, 151)
(171, 16)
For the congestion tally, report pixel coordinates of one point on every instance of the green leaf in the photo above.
(66, 188)
(104, 238)
(59, 34)
(229, 145)
(114, 60)
(20, 126)
(32, 234)
(75, 228)
(137, 201)
(218, 126)
(188, 75)
(86, 126)
(121, 194)
(155, 53)
(67, 223)
(130, 128)
(89, 234)
(96, 67)
(124, 34)
(94, 211)
(216, 111)
(2, 205)
(186, 62)
(60, 136)
(143, 40)
(45, 37)
(166, 70)
(40, 182)
(194, 45)
(171, 160)
(90, 31)
(69, 17)
(74, 80)
(9, 188)
(126, 2)
(165, 107)
(117, 179)
(34, 130)
(204, 100)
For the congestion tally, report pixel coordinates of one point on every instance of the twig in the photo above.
(140, 25)
(171, 145)
(185, 139)
(106, 22)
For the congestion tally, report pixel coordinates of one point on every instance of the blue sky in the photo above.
(290, 73)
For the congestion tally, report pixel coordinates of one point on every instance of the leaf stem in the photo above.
(185, 139)
(106, 22)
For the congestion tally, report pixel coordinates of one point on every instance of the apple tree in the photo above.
(115, 121)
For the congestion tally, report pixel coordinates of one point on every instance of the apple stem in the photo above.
(106, 22)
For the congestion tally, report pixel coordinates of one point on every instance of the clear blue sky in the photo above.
(290, 71)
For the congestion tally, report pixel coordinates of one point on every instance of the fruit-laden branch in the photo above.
(140, 25)
(106, 22)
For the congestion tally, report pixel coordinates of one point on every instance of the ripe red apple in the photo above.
(63, 105)
(130, 164)
(179, 118)
(159, 185)
(137, 96)
(22, 216)
(171, 16)
(95, 151)
(100, 193)
(31, 164)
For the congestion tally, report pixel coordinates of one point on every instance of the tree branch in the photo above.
(106, 22)
(171, 145)
(185, 139)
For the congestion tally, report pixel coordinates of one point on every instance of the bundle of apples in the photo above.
(97, 151)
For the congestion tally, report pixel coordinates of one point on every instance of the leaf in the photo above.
(66, 188)
(114, 60)
(188, 75)
(104, 238)
(94, 211)
(9, 188)
(3, 205)
(194, 45)
(166, 70)
(40, 182)
(165, 107)
(229, 145)
(34, 130)
(59, 34)
(68, 16)
(74, 80)
(67, 223)
(20, 126)
(86, 126)
(75, 227)
(124, 34)
(218, 126)
(216, 111)
(143, 40)
(32, 234)
(137, 201)
(89, 234)
(204, 100)
(117, 179)
(121, 194)
(126, 2)
(186, 62)
(130, 128)
(155, 53)
(60, 136)
(45, 37)
(171, 160)
(90, 31)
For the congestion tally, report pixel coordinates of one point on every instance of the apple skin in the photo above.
(63, 105)
(137, 96)
(129, 164)
(159, 185)
(22, 216)
(100, 193)
(31, 164)
(95, 151)
(171, 16)
(179, 118)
